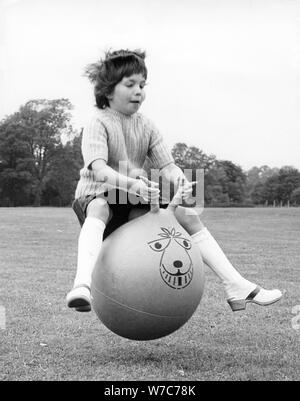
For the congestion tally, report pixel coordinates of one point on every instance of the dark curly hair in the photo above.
(109, 71)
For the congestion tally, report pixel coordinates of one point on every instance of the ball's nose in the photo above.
(177, 263)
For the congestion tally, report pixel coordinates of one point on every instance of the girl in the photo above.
(118, 135)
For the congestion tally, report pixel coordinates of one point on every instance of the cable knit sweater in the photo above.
(115, 137)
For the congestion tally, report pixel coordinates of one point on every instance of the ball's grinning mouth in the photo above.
(174, 280)
(178, 271)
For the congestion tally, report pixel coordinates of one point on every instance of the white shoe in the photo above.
(258, 296)
(80, 298)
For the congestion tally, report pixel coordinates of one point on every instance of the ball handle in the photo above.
(174, 202)
(154, 206)
(177, 197)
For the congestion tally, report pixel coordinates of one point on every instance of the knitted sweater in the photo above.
(122, 141)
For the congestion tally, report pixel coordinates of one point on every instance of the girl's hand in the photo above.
(146, 189)
(184, 191)
(187, 188)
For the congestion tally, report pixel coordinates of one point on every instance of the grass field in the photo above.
(40, 339)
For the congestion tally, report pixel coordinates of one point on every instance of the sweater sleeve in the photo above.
(158, 153)
(94, 142)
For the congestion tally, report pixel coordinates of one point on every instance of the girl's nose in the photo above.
(138, 90)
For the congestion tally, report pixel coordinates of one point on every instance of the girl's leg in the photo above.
(239, 291)
(89, 247)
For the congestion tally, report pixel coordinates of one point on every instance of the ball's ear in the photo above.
(154, 206)
(177, 198)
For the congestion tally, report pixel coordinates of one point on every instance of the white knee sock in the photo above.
(89, 247)
(214, 257)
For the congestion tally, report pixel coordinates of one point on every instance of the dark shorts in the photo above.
(119, 207)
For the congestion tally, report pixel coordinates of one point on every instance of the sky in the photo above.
(223, 75)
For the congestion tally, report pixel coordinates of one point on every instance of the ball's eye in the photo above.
(185, 243)
(160, 245)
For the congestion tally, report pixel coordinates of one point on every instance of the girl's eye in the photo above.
(131, 84)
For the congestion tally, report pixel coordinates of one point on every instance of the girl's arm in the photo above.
(174, 175)
(104, 173)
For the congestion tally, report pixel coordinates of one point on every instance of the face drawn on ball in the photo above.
(176, 266)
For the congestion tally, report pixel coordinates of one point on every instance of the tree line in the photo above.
(226, 184)
(40, 159)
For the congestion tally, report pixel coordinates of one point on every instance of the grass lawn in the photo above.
(43, 340)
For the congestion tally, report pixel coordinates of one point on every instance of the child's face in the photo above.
(128, 94)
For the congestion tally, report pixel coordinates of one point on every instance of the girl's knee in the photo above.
(99, 209)
(189, 219)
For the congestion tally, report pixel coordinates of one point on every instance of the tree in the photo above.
(190, 157)
(256, 178)
(258, 193)
(36, 129)
(289, 180)
(295, 196)
(15, 179)
(63, 174)
(233, 180)
(278, 187)
(214, 185)
(224, 182)
(214, 195)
